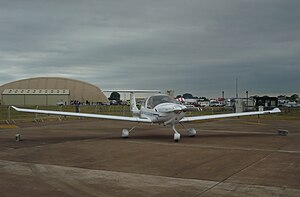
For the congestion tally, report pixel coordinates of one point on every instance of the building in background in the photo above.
(41, 97)
(266, 101)
(50, 91)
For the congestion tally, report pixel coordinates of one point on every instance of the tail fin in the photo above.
(133, 108)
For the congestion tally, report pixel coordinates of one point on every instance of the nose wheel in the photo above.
(176, 134)
(176, 137)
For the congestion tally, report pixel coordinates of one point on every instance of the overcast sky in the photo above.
(195, 46)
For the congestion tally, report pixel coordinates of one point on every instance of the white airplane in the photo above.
(158, 108)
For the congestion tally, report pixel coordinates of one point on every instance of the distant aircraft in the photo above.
(158, 108)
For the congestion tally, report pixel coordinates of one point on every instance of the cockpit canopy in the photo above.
(154, 100)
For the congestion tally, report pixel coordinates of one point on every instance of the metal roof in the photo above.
(79, 90)
(36, 91)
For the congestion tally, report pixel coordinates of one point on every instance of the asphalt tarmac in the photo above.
(87, 157)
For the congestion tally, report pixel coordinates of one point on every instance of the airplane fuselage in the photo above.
(165, 113)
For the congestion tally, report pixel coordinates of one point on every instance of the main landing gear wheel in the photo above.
(125, 133)
(192, 132)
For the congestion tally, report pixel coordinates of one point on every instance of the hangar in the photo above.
(50, 91)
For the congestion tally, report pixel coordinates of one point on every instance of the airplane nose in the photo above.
(179, 108)
(170, 107)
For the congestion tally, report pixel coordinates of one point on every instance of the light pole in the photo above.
(247, 97)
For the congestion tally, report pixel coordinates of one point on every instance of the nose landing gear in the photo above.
(176, 134)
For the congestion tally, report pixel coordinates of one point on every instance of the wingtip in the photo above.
(14, 107)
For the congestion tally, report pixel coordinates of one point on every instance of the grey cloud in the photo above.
(194, 46)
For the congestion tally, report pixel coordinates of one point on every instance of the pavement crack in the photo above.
(237, 172)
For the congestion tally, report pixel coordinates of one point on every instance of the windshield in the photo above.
(158, 99)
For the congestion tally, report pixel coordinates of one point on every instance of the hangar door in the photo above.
(41, 97)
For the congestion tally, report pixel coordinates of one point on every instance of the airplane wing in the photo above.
(206, 117)
(62, 113)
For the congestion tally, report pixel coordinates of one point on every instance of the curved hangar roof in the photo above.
(79, 90)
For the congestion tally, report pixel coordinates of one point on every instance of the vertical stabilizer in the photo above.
(133, 108)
